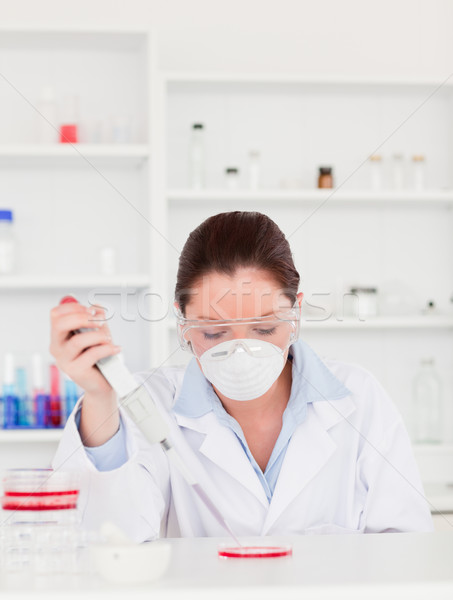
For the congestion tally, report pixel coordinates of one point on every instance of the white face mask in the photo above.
(243, 369)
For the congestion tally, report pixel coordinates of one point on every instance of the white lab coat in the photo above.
(349, 468)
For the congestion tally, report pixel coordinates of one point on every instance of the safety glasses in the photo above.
(198, 336)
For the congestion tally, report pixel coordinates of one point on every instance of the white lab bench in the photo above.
(399, 565)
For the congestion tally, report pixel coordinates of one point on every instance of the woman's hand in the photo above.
(76, 354)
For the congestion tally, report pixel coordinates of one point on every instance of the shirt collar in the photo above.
(312, 381)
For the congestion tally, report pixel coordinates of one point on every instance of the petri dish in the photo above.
(254, 551)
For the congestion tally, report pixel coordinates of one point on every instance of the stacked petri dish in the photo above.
(40, 523)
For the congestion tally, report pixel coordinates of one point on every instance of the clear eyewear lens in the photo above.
(201, 336)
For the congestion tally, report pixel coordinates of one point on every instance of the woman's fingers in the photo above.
(76, 353)
(89, 358)
(79, 342)
(64, 321)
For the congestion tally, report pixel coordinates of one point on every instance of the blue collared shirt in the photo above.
(311, 381)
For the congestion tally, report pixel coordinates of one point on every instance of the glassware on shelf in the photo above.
(397, 299)
(254, 169)
(69, 130)
(197, 165)
(232, 178)
(120, 129)
(325, 178)
(367, 302)
(430, 308)
(418, 172)
(375, 161)
(398, 171)
(7, 243)
(427, 404)
(46, 119)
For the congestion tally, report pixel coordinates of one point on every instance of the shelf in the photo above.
(415, 322)
(297, 79)
(16, 436)
(78, 153)
(433, 449)
(356, 198)
(95, 38)
(54, 282)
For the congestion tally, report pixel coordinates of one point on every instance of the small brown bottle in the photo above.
(325, 179)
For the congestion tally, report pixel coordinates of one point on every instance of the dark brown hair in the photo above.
(228, 241)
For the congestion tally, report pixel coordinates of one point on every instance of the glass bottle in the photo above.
(376, 171)
(325, 179)
(232, 178)
(254, 170)
(69, 129)
(197, 157)
(7, 242)
(398, 171)
(46, 119)
(418, 172)
(427, 404)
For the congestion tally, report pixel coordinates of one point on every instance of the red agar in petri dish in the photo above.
(255, 551)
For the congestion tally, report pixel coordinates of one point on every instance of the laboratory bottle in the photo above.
(40, 399)
(40, 522)
(46, 119)
(254, 170)
(376, 172)
(69, 129)
(325, 178)
(427, 404)
(367, 302)
(418, 172)
(7, 243)
(9, 393)
(398, 171)
(197, 157)
(232, 178)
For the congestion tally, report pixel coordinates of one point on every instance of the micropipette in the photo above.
(140, 407)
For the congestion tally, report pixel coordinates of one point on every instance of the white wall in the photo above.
(401, 37)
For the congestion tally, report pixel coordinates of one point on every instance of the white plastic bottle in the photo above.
(7, 243)
(254, 170)
(428, 413)
(197, 157)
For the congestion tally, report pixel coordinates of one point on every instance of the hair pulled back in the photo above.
(231, 240)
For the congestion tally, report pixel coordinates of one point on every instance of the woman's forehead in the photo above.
(246, 293)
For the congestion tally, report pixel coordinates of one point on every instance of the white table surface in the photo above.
(384, 566)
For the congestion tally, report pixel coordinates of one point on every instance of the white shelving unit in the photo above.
(104, 189)
(50, 282)
(348, 236)
(30, 436)
(108, 151)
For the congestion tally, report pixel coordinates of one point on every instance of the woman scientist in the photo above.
(282, 441)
